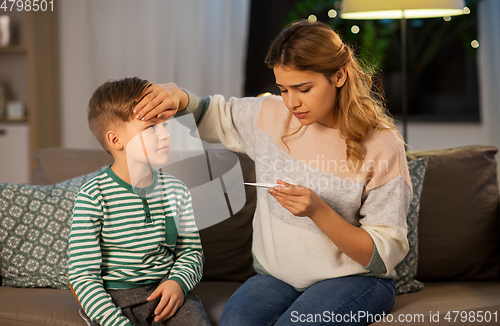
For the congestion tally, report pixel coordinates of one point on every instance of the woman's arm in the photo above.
(301, 201)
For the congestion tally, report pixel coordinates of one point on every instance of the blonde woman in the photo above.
(326, 240)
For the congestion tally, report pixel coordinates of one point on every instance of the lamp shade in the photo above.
(397, 9)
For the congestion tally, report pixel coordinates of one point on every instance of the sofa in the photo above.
(452, 278)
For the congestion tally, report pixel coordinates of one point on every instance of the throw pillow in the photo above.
(459, 225)
(407, 268)
(34, 230)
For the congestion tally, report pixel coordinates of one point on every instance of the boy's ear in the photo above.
(113, 140)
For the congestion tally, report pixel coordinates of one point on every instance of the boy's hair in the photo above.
(113, 102)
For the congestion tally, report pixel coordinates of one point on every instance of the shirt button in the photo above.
(145, 202)
(148, 215)
(143, 192)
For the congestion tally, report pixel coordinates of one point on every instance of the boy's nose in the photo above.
(163, 133)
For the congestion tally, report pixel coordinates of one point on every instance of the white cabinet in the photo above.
(14, 153)
(29, 70)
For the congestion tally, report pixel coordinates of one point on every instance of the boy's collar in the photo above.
(136, 190)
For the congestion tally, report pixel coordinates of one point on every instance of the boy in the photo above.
(134, 249)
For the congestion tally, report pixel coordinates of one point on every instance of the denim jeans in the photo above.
(352, 300)
(140, 312)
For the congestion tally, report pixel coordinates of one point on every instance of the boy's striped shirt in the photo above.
(124, 237)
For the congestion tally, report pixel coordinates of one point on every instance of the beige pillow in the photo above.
(459, 227)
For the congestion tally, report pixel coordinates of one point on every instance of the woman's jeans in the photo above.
(351, 300)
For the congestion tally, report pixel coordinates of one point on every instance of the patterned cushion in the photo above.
(34, 230)
(407, 269)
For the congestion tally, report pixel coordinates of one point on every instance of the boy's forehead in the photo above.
(150, 122)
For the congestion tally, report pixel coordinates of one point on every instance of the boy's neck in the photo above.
(138, 174)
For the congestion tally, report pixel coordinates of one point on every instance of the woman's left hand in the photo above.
(161, 101)
(300, 201)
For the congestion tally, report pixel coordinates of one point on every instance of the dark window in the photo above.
(442, 70)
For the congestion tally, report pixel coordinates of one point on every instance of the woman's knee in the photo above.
(233, 317)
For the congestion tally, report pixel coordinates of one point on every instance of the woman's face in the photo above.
(309, 95)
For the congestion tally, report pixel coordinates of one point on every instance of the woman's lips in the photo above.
(300, 115)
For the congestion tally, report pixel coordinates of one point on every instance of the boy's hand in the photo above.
(172, 298)
(162, 101)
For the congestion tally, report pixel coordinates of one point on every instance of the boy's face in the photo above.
(146, 141)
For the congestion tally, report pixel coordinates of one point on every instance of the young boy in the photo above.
(134, 249)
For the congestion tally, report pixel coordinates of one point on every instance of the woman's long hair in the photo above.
(359, 108)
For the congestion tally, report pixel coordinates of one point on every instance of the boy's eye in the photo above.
(283, 91)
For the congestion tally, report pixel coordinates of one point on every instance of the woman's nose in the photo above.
(293, 101)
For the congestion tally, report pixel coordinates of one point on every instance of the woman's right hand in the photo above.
(162, 101)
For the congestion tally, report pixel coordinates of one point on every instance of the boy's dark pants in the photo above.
(141, 312)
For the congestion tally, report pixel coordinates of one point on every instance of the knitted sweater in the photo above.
(123, 237)
(376, 198)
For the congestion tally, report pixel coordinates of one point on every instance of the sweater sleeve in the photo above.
(188, 267)
(231, 123)
(85, 263)
(385, 204)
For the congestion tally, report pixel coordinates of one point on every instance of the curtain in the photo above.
(489, 68)
(199, 44)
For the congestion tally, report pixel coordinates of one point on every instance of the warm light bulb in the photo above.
(447, 18)
(312, 18)
(474, 44)
(355, 29)
(332, 13)
(466, 10)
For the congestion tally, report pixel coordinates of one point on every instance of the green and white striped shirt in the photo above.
(124, 237)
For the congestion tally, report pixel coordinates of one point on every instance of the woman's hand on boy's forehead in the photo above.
(161, 101)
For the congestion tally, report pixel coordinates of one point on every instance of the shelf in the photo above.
(13, 121)
(13, 49)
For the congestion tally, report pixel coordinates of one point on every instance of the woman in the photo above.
(327, 238)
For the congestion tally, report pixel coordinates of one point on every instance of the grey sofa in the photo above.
(458, 244)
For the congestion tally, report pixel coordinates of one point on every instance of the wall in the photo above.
(443, 135)
(420, 135)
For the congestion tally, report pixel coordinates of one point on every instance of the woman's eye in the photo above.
(164, 125)
(304, 90)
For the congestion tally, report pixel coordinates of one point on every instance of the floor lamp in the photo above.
(401, 9)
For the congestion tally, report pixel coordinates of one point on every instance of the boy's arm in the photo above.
(85, 263)
(188, 267)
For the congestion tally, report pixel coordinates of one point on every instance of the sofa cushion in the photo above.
(459, 232)
(35, 223)
(59, 164)
(226, 245)
(214, 296)
(407, 269)
(38, 307)
(447, 303)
